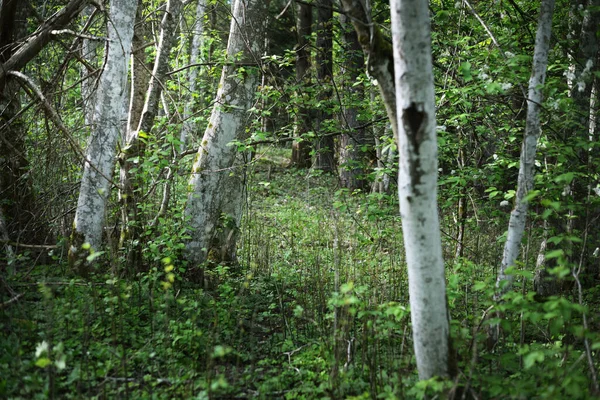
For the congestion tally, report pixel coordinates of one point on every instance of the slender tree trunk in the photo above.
(140, 76)
(100, 155)
(189, 127)
(324, 144)
(134, 147)
(417, 143)
(352, 159)
(301, 147)
(215, 199)
(518, 216)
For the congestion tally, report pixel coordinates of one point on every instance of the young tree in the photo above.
(134, 147)
(518, 216)
(100, 154)
(417, 186)
(216, 187)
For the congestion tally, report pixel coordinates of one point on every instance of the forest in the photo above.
(299, 199)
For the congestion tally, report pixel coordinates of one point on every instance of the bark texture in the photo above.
(417, 187)
(100, 154)
(216, 187)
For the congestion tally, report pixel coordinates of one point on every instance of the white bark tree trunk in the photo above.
(168, 30)
(88, 53)
(216, 186)
(189, 126)
(417, 144)
(131, 224)
(518, 216)
(95, 184)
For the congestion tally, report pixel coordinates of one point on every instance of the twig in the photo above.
(28, 83)
(29, 246)
(6, 303)
(79, 35)
(588, 350)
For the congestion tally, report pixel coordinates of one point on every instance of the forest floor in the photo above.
(316, 308)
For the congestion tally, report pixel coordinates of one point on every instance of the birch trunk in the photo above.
(417, 187)
(189, 127)
(168, 30)
(134, 147)
(100, 154)
(215, 199)
(89, 49)
(518, 216)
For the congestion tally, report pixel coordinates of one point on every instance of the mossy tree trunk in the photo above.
(100, 154)
(216, 187)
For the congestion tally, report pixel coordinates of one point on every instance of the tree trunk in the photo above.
(518, 216)
(140, 74)
(324, 144)
(134, 147)
(417, 143)
(216, 194)
(189, 127)
(352, 158)
(100, 154)
(378, 52)
(89, 49)
(302, 124)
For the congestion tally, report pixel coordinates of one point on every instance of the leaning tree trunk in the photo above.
(100, 155)
(378, 51)
(417, 187)
(302, 121)
(518, 216)
(324, 144)
(215, 199)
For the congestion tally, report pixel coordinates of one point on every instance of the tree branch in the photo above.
(41, 37)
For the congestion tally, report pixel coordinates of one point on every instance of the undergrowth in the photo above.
(317, 308)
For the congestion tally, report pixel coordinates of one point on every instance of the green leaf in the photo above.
(530, 359)
(465, 70)
(43, 362)
(554, 254)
